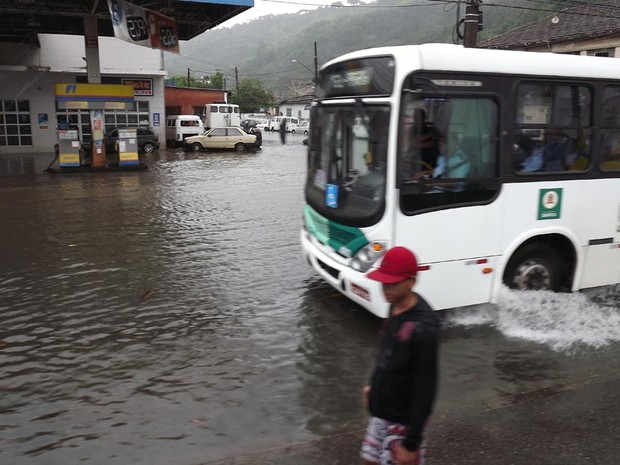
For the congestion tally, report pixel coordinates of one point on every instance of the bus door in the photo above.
(448, 179)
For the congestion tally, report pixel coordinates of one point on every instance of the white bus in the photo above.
(513, 179)
(221, 115)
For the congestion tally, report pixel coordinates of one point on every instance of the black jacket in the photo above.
(404, 381)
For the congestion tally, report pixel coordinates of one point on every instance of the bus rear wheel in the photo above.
(534, 267)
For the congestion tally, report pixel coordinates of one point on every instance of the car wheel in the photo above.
(305, 133)
(148, 147)
(240, 147)
(535, 267)
(197, 147)
(292, 131)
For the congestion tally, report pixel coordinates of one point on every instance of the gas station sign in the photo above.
(94, 96)
(140, 26)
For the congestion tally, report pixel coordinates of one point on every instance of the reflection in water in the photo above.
(168, 316)
(338, 345)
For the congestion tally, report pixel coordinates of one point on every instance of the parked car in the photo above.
(178, 127)
(291, 123)
(148, 140)
(302, 128)
(224, 138)
(263, 125)
(249, 123)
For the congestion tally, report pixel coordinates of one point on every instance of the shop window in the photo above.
(15, 125)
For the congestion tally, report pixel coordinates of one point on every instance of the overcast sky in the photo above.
(262, 8)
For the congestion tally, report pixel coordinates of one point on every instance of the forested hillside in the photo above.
(264, 48)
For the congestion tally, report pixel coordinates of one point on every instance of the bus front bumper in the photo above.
(352, 284)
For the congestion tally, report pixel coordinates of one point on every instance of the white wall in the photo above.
(64, 52)
(295, 109)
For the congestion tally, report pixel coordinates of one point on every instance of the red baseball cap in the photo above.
(398, 264)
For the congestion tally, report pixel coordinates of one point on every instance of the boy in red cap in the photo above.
(402, 389)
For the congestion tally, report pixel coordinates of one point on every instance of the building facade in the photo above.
(296, 107)
(29, 74)
(592, 30)
(191, 100)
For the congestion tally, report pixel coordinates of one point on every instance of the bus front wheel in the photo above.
(534, 267)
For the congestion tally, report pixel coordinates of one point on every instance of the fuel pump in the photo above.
(68, 148)
(128, 147)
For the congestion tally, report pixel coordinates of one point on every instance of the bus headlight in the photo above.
(367, 255)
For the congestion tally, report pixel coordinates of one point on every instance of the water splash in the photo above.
(562, 321)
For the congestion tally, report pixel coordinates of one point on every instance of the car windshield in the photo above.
(346, 162)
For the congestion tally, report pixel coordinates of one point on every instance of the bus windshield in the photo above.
(347, 161)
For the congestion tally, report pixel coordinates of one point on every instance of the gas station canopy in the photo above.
(21, 20)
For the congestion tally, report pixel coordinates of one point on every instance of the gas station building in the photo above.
(56, 66)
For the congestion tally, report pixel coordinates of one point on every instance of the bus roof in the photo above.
(447, 57)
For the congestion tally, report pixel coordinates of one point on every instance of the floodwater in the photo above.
(167, 316)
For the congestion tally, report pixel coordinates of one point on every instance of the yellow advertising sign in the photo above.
(94, 92)
(69, 159)
(128, 158)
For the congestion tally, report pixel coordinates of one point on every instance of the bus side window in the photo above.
(610, 159)
(555, 128)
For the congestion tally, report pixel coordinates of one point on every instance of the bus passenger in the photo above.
(425, 140)
(555, 151)
(529, 155)
(402, 389)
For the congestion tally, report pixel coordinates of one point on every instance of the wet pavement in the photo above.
(167, 316)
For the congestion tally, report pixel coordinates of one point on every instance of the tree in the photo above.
(215, 81)
(253, 96)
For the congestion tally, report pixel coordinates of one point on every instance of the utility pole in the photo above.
(316, 69)
(472, 23)
(458, 21)
(188, 77)
(238, 94)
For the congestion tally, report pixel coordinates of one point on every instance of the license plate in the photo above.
(360, 292)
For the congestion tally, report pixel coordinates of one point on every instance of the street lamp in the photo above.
(300, 63)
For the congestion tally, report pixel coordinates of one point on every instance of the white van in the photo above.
(291, 123)
(222, 115)
(178, 127)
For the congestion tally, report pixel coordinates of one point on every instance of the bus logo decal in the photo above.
(549, 204)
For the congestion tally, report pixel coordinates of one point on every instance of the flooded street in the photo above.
(167, 316)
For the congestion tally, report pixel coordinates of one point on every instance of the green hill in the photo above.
(264, 48)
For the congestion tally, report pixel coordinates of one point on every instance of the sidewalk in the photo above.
(574, 424)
